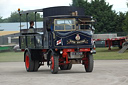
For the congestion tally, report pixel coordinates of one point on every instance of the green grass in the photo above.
(102, 54)
(105, 54)
(11, 56)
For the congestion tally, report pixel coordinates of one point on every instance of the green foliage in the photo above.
(125, 27)
(5, 20)
(78, 3)
(1, 20)
(120, 18)
(107, 19)
(15, 17)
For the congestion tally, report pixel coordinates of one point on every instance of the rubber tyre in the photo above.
(36, 65)
(69, 66)
(63, 67)
(54, 64)
(66, 67)
(89, 63)
(29, 64)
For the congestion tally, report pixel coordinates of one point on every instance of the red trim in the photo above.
(73, 50)
(85, 60)
(108, 39)
(117, 38)
(61, 61)
(84, 49)
(27, 61)
(98, 39)
(110, 44)
(68, 50)
(44, 50)
(22, 50)
(52, 60)
(121, 42)
(65, 55)
(65, 52)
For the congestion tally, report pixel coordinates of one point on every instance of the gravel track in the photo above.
(106, 72)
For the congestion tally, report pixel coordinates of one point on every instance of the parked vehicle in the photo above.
(65, 39)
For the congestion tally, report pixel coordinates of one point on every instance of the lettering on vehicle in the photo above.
(77, 42)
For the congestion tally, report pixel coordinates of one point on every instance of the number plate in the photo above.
(76, 53)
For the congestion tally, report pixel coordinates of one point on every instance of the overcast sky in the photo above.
(8, 6)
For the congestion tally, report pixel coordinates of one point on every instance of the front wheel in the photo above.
(54, 64)
(88, 64)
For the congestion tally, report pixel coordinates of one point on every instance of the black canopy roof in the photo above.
(55, 11)
(30, 11)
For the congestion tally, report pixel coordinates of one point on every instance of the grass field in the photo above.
(102, 54)
(105, 54)
(11, 56)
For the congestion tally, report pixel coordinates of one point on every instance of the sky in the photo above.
(8, 6)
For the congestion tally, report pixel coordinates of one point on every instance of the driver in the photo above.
(31, 24)
(31, 28)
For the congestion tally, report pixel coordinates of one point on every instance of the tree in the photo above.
(78, 3)
(1, 20)
(103, 13)
(125, 27)
(16, 18)
(120, 22)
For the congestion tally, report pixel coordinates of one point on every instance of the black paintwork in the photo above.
(49, 37)
(62, 10)
(68, 36)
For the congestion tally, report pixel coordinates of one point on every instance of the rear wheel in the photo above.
(88, 64)
(54, 64)
(30, 64)
(66, 67)
(69, 66)
(36, 67)
(63, 67)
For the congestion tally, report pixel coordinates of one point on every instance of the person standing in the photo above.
(31, 28)
(31, 24)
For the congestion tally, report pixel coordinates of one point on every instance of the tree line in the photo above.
(108, 20)
(15, 17)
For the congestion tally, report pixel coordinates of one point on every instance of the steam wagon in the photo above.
(65, 39)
